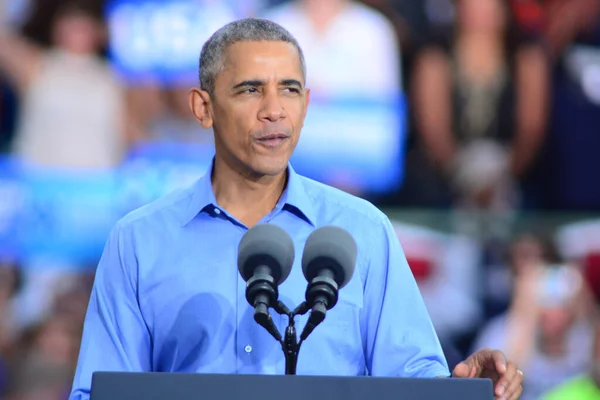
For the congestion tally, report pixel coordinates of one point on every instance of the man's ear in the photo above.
(200, 105)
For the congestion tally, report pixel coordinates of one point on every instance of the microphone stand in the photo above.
(290, 344)
(291, 348)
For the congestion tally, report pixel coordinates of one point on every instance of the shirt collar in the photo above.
(293, 199)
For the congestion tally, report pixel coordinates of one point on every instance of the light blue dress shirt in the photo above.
(168, 296)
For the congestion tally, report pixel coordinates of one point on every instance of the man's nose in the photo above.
(272, 109)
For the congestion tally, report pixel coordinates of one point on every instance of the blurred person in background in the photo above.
(47, 360)
(546, 328)
(43, 360)
(571, 29)
(586, 386)
(480, 105)
(504, 265)
(72, 111)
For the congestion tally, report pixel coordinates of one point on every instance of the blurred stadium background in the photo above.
(475, 124)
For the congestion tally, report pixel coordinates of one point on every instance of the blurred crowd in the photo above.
(504, 101)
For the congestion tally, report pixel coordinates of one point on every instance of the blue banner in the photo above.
(66, 215)
(354, 143)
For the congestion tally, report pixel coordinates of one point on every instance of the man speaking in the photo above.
(167, 294)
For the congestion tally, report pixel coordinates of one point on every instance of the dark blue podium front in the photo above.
(174, 386)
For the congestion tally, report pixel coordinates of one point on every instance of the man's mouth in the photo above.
(272, 141)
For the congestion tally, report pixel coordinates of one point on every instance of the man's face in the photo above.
(258, 107)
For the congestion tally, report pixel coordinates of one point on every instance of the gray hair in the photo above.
(212, 57)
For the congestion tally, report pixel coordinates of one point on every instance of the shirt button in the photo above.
(248, 349)
(217, 211)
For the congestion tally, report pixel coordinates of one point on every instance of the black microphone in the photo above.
(328, 264)
(265, 258)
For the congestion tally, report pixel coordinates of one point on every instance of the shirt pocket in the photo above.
(345, 314)
(337, 343)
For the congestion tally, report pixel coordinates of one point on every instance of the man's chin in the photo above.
(271, 167)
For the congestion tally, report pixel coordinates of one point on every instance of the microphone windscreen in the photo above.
(330, 247)
(266, 245)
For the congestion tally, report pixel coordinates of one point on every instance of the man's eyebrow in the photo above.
(258, 83)
(249, 83)
(290, 82)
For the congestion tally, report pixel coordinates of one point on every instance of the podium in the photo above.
(175, 386)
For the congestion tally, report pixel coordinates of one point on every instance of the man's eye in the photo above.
(292, 90)
(251, 90)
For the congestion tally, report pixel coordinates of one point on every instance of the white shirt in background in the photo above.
(71, 115)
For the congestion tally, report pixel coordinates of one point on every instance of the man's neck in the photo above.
(247, 198)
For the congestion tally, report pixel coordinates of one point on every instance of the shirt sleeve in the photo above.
(400, 338)
(115, 336)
